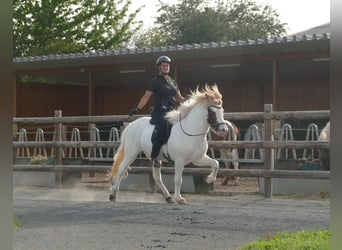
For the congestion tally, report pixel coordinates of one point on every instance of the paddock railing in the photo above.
(59, 145)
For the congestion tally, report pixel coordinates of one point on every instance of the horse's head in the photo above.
(216, 120)
(209, 97)
(215, 111)
(233, 132)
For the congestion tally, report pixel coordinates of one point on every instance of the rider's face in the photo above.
(164, 68)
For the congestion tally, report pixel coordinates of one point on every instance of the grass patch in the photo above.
(302, 240)
(15, 223)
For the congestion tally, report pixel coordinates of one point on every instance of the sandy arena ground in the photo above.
(84, 218)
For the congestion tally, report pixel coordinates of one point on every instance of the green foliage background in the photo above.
(43, 27)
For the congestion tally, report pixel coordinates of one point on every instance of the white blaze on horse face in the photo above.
(222, 128)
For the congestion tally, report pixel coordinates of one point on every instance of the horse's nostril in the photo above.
(224, 128)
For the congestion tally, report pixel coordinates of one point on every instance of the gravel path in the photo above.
(85, 219)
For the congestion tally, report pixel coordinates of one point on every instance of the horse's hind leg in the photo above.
(114, 188)
(158, 179)
(117, 179)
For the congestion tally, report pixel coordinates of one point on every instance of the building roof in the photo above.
(240, 48)
(321, 29)
(108, 67)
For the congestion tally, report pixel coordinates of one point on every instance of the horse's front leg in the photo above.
(178, 179)
(235, 156)
(207, 161)
(158, 179)
(225, 155)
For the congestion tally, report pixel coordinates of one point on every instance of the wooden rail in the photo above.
(186, 171)
(255, 116)
(213, 144)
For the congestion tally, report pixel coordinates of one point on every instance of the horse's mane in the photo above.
(208, 95)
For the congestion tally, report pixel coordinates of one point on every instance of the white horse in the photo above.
(187, 142)
(324, 154)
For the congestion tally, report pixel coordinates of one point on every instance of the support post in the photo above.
(59, 150)
(274, 83)
(90, 94)
(269, 152)
(91, 151)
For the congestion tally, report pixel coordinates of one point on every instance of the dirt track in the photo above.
(85, 219)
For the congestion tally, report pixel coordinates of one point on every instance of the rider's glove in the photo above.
(133, 111)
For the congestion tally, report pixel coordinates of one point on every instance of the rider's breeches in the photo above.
(159, 135)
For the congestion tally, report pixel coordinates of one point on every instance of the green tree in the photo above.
(196, 21)
(69, 26)
(150, 37)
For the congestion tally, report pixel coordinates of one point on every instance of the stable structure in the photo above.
(291, 73)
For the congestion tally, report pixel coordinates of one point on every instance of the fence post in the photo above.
(268, 152)
(59, 152)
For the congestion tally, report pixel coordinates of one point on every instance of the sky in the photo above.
(298, 14)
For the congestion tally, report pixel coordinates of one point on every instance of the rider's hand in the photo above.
(133, 111)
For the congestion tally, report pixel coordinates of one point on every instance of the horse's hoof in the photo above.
(169, 200)
(209, 180)
(111, 197)
(181, 201)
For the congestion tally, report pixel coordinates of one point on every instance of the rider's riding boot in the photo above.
(156, 163)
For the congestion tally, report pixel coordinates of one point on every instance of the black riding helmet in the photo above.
(162, 59)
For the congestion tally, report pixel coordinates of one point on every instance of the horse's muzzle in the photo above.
(222, 130)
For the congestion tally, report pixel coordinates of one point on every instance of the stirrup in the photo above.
(156, 163)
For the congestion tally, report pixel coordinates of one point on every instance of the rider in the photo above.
(166, 97)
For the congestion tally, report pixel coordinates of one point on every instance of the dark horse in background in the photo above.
(228, 153)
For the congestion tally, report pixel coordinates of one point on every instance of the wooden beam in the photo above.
(175, 73)
(211, 144)
(274, 83)
(90, 93)
(278, 115)
(268, 153)
(15, 86)
(298, 174)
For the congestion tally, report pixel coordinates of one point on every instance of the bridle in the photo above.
(212, 121)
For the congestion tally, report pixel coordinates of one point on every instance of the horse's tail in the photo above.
(119, 156)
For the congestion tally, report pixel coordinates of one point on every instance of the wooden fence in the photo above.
(269, 145)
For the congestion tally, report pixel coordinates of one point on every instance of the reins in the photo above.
(180, 123)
